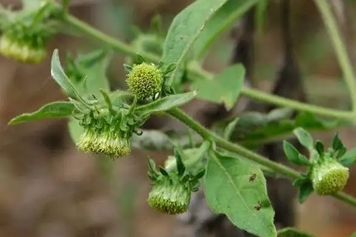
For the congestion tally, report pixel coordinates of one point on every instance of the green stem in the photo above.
(339, 47)
(281, 101)
(108, 40)
(242, 151)
(198, 72)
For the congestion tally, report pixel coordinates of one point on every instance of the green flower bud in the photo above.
(25, 32)
(105, 133)
(104, 141)
(172, 190)
(21, 51)
(170, 195)
(145, 81)
(329, 177)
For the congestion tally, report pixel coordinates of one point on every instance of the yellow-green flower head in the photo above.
(104, 136)
(170, 195)
(329, 177)
(171, 190)
(21, 51)
(145, 81)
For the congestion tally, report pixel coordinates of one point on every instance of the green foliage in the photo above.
(292, 232)
(166, 103)
(293, 155)
(237, 189)
(108, 122)
(304, 138)
(223, 19)
(305, 188)
(230, 128)
(254, 128)
(61, 78)
(87, 73)
(225, 87)
(50, 110)
(185, 29)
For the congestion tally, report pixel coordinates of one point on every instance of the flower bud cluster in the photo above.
(24, 33)
(171, 190)
(107, 131)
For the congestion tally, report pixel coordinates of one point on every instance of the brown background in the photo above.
(48, 189)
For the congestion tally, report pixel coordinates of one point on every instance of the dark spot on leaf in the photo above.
(252, 177)
(258, 206)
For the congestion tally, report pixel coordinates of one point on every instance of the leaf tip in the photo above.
(13, 121)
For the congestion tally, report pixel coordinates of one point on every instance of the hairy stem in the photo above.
(339, 47)
(198, 72)
(242, 151)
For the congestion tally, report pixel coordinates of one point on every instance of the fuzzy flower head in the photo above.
(26, 32)
(170, 195)
(107, 131)
(171, 190)
(21, 51)
(329, 177)
(145, 81)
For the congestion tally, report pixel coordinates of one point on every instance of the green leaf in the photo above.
(293, 155)
(229, 128)
(222, 20)
(349, 158)
(61, 78)
(166, 103)
(304, 137)
(255, 128)
(337, 143)
(305, 189)
(353, 235)
(292, 232)
(225, 87)
(51, 110)
(231, 190)
(319, 147)
(93, 65)
(185, 29)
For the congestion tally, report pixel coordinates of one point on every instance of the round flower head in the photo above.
(329, 177)
(172, 190)
(102, 136)
(170, 195)
(145, 81)
(21, 51)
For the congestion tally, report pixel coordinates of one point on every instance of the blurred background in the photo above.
(49, 189)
